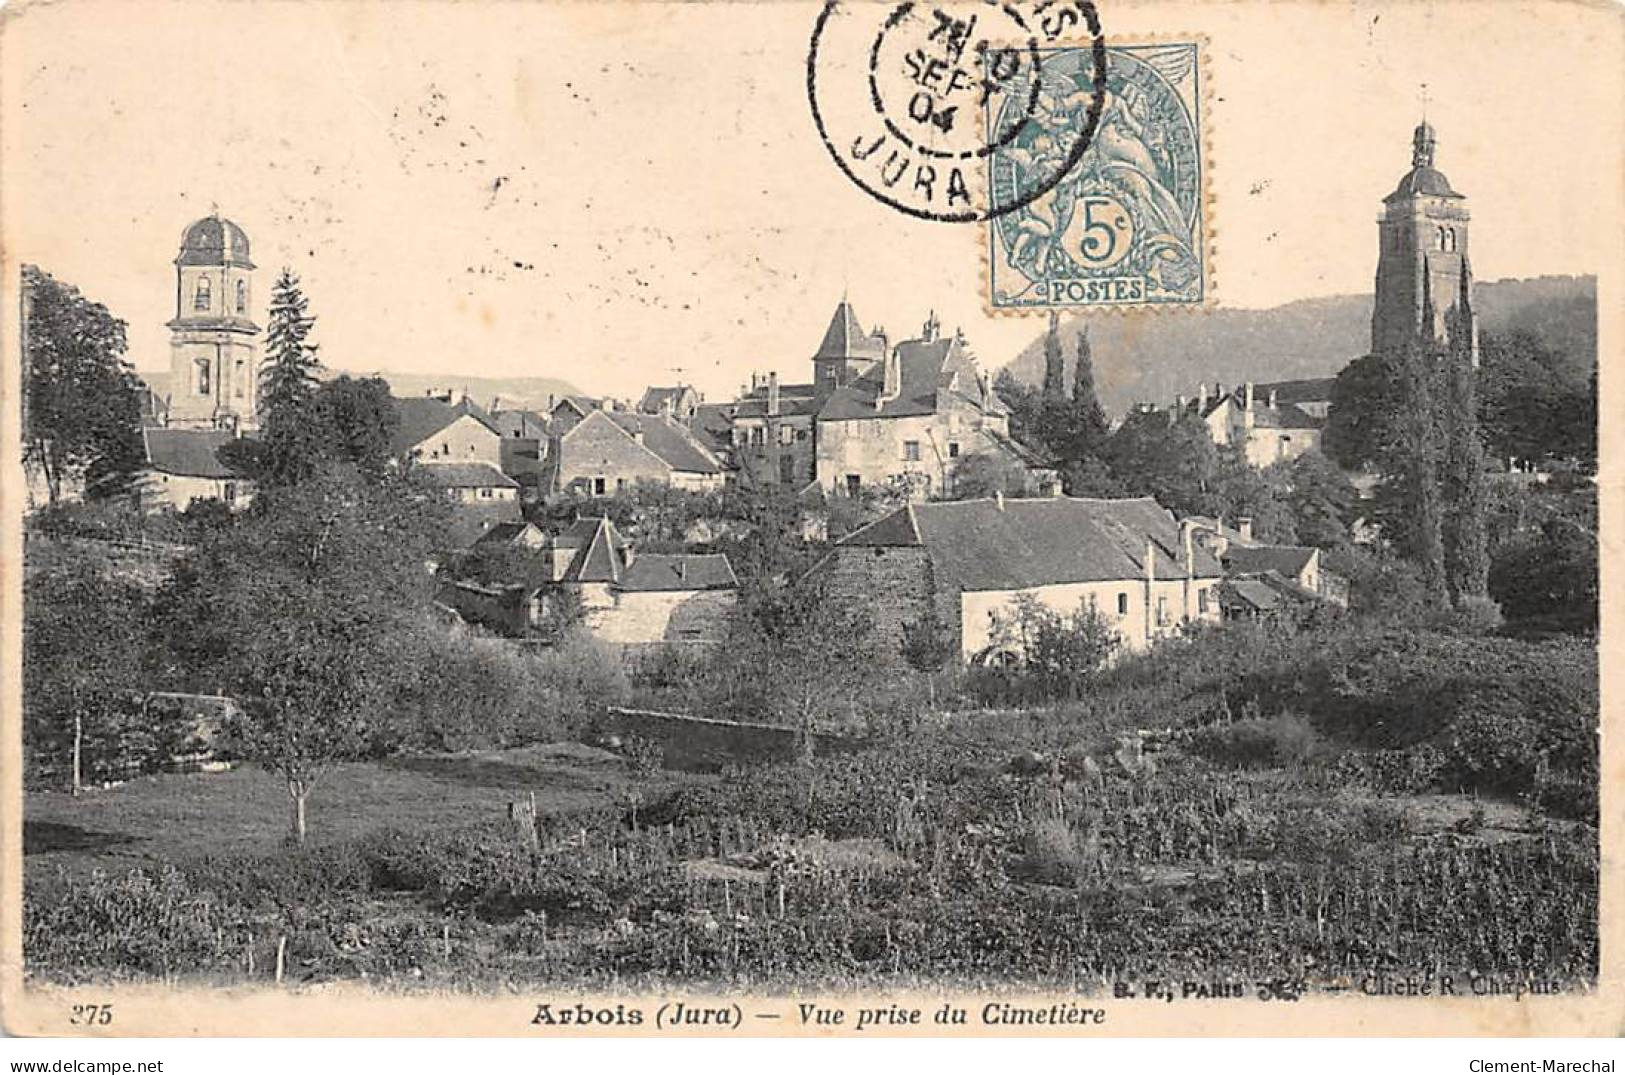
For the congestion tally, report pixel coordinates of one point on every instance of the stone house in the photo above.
(625, 598)
(908, 417)
(609, 452)
(1130, 560)
(1259, 421)
(772, 432)
(677, 401)
(1288, 573)
(183, 465)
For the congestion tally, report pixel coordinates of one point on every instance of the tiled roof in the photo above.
(1252, 594)
(845, 338)
(924, 366)
(793, 399)
(668, 439)
(712, 423)
(600, 558)
(981, 545)
(1289, 560)
(470, 522)
(1308, 390)
(504, 533)
(187, 453)
(519, 423)
(423, 416)
(474, 475)
(1283, 416)
(214, 241)
(651, 571)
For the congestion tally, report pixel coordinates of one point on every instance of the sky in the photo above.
(625, 194)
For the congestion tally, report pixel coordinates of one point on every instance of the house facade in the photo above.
(1261, 421)
(609, 452)
(183, 466)
(968, 561)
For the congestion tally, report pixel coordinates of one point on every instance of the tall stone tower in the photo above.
(1423, 273)
(213, 344)
(846, 352)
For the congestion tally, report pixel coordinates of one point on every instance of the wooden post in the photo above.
(78, 746)
(522, 816)
(281, 956)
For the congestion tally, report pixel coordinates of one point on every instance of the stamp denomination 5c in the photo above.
(1127, 224)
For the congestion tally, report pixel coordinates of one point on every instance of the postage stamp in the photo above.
(1126, 223)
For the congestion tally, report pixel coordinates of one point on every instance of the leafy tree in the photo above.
(928, 647)
(1417, 470)
(1322, 501)
(1532, 405)
(296, 611)
(356, 421)
(1023, 404)
(982, 474)
(1548, 580)
(1174, 460)
(1065, 652)
(1367, 398)
(1089, 476)
(81, 409)
(1236, 489)
(83, 642)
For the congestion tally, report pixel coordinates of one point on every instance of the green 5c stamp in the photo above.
(1126, 225)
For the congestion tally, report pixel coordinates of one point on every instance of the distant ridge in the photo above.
(1154, 358)
(511, 392)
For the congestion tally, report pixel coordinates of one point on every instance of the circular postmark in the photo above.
(912, 100)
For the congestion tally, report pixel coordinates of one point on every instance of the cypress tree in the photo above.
(1054, 362)
(1466, 545)
(1420, 467)
(1088, 416)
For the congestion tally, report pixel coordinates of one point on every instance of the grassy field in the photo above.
(245, 810)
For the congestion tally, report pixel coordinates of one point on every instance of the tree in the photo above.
(290, 443)
(1236, 489)
(927, 647)
(1172, 459)
(1065, 652)
(82, 410)
(1322, 501)
(297, 610)
(1088, 416)
(1416, 472)
(356, 420)
(1548, 580)
(83, 641)
(983, 474)
(1466, 543)
(1367, 398)
(1023, 404)
(1054, 362)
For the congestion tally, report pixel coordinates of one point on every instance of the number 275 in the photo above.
(91, 1015)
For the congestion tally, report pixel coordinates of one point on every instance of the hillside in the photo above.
(1154, 358)
(532, 392)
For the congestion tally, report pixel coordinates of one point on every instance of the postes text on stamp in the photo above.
(1126, 223)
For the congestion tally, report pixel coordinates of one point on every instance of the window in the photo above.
(620, 485)
(953, 449)
(202, 376)
(485, 494)
(242, 296)
(853, 484)
(200, 298)
(787, 469)
(598, 487)
(787, 435)
(1201, 601)
(228, 492)
(1122, 605)
(241, 379)
(1162, 612)
(911, 451)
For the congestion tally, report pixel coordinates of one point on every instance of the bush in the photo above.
(1284, 739)
(1473, 616)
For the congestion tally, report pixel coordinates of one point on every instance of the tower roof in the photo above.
(214, 240)
(845, 338)
(1423, 179)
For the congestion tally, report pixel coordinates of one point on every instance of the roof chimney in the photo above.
(1179, 403)
(1244, 527)
(773, 392)
(1201, 396)
(1272, 399)
(1249, 395)
(998, 499)
(1187, 531)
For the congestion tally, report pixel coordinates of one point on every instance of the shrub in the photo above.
(1284, 739)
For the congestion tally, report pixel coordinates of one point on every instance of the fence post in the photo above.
(281, 956)
(522, 816)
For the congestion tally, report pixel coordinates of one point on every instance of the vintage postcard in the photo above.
(1057, 518)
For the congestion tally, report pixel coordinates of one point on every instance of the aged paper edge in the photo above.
(347, 1011)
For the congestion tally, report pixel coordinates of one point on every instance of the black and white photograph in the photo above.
(1050, 518)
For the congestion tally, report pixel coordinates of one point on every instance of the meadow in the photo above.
(1291, 811)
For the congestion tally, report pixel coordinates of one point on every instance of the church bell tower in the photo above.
(213, 346)
(1424, 278)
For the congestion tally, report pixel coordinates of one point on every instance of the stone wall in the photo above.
(699, 744)
(892, 586)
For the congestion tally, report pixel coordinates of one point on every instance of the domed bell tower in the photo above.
(213, 348)
(1423, 273)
